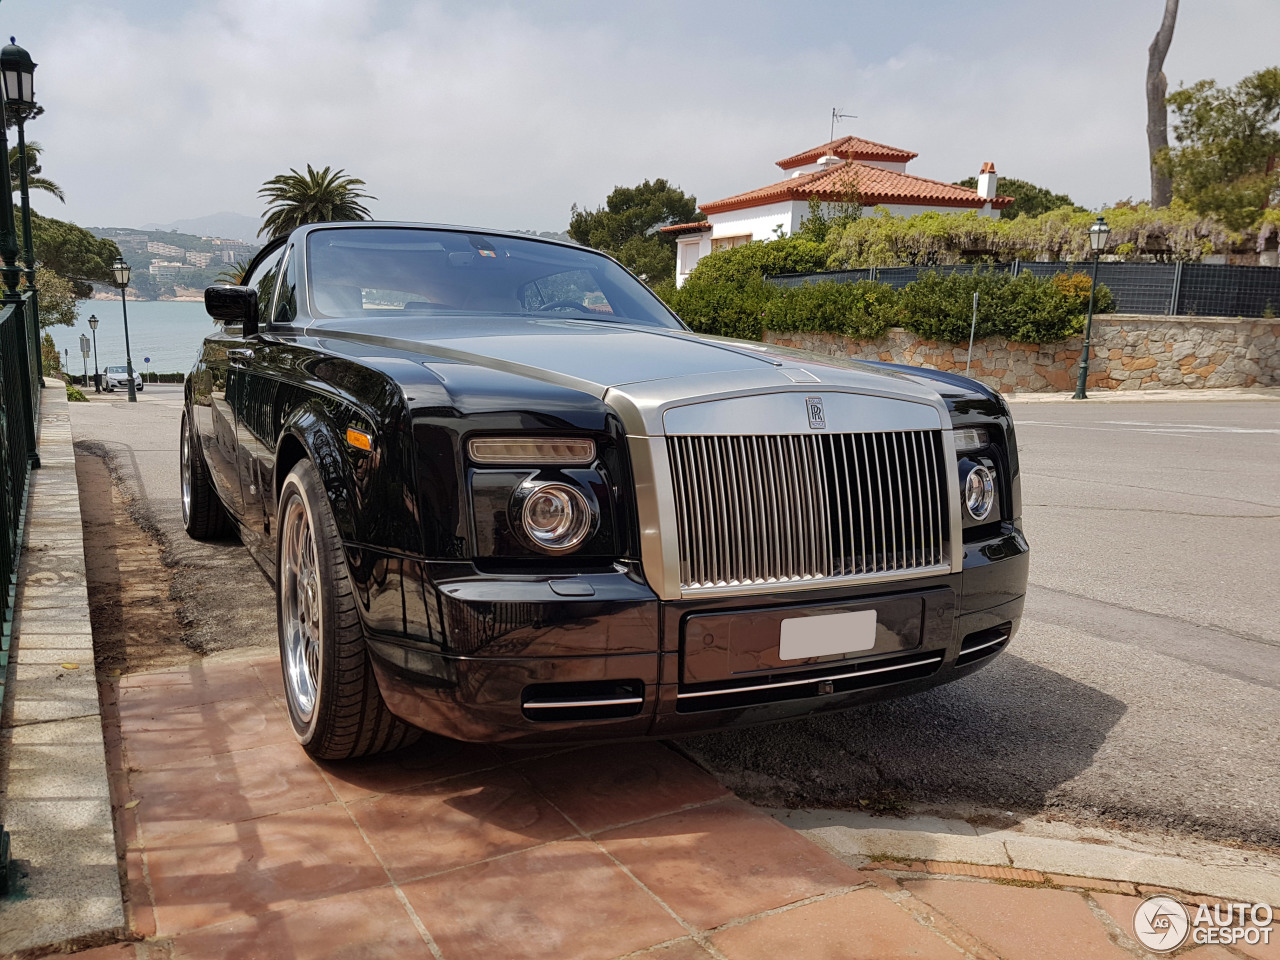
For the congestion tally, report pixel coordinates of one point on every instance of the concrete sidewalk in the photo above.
(1146, 396)
(240, 846)
(54, 783)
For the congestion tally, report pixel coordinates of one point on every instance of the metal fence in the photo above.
(1166, 289)
(19, 410)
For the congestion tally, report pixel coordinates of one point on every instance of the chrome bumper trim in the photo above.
(923, 662)
(571, 704)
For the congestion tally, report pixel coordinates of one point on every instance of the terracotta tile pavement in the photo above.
(237, 845)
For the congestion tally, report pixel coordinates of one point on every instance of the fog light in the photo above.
(557, 518)
(979, 492)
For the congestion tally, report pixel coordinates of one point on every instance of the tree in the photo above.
(1027, 197)
(1225, 160)
(34, 180)
(73, 253)
(50, 358)
(233, 274)
(627, 227)
(826, 215)
(57, 299)
(314, 197)
(1157, 112)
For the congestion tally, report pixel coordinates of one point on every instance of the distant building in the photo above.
(164, 249)
(199, 259)
(165, 270)
(234, 246)
(828, 172)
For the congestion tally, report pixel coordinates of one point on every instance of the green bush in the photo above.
(862, 309)
(724, 309)
(1025, 308)
(75, 395)
(726, 294)
(740, 264)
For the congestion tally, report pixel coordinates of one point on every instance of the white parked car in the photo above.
(117, 378)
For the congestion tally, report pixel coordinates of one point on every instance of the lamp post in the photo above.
(97, 381)
(18, 72)
(121, 271)
(1098, 233)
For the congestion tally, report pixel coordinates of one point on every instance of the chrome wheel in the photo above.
(301, 608)
(185, 471)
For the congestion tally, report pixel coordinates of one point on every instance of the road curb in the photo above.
(931, 842)
(1218, 394)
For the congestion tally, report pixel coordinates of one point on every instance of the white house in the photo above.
(827, 172)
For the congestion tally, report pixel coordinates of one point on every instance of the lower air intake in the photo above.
(726, 695)
(594, 700)
(984, 643)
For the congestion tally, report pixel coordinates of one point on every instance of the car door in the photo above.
(225, 357)
(256, 403)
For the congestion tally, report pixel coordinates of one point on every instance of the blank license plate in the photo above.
(804, 637)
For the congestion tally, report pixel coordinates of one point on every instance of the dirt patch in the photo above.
(136, 623)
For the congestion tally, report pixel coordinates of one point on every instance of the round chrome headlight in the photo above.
(979, 492)
(557, 517)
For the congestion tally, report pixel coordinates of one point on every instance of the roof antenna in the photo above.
(836, 116)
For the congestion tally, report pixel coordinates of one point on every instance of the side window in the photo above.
(263, 279)
(287, 297)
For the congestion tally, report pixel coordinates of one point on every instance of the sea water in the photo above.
(169, 332)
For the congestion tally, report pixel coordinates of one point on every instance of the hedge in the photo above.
(732, 299)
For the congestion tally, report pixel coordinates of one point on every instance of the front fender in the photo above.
(368, 490)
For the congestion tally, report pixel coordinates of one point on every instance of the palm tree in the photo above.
(294, 199)
(34, 182)
(233, 274)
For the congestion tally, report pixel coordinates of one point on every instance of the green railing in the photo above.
(19, 413)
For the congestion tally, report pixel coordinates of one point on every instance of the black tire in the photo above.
(334, 703)
(203, 515)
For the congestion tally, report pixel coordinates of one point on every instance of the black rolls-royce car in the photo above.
(505, 494)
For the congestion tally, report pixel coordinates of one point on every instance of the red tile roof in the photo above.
(850, 148)
(697, 226)
(875, 185)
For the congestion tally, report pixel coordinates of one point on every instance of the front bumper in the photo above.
(512, 660)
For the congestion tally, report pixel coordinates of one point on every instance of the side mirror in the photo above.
(233, 305)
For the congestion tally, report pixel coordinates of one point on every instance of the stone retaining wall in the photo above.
(1131, 352)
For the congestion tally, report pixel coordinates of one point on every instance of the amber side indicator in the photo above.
(359, 439)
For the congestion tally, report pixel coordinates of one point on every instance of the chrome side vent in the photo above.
(590, 700)
(757, 510)
(983, 643)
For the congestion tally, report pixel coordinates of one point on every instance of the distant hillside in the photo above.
(233, 226)
(548, 234)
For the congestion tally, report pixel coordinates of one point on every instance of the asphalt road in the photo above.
(1143, 689)
(225, 600)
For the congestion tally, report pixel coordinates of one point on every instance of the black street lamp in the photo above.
(121, 271)
(17, 70)
(97, 381)
(1098, 234)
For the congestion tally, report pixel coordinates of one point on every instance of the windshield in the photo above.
(391, 271)
(120, 369)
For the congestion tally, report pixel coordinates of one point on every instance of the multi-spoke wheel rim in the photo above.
(301, 608)
(185, 447)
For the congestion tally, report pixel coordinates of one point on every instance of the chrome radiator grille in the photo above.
(779, 509)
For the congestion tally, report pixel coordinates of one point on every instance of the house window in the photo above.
(688, 256)
(726, 243)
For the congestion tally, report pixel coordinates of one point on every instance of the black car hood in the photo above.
(588, 355)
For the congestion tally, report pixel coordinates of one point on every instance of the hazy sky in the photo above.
(503, 114)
